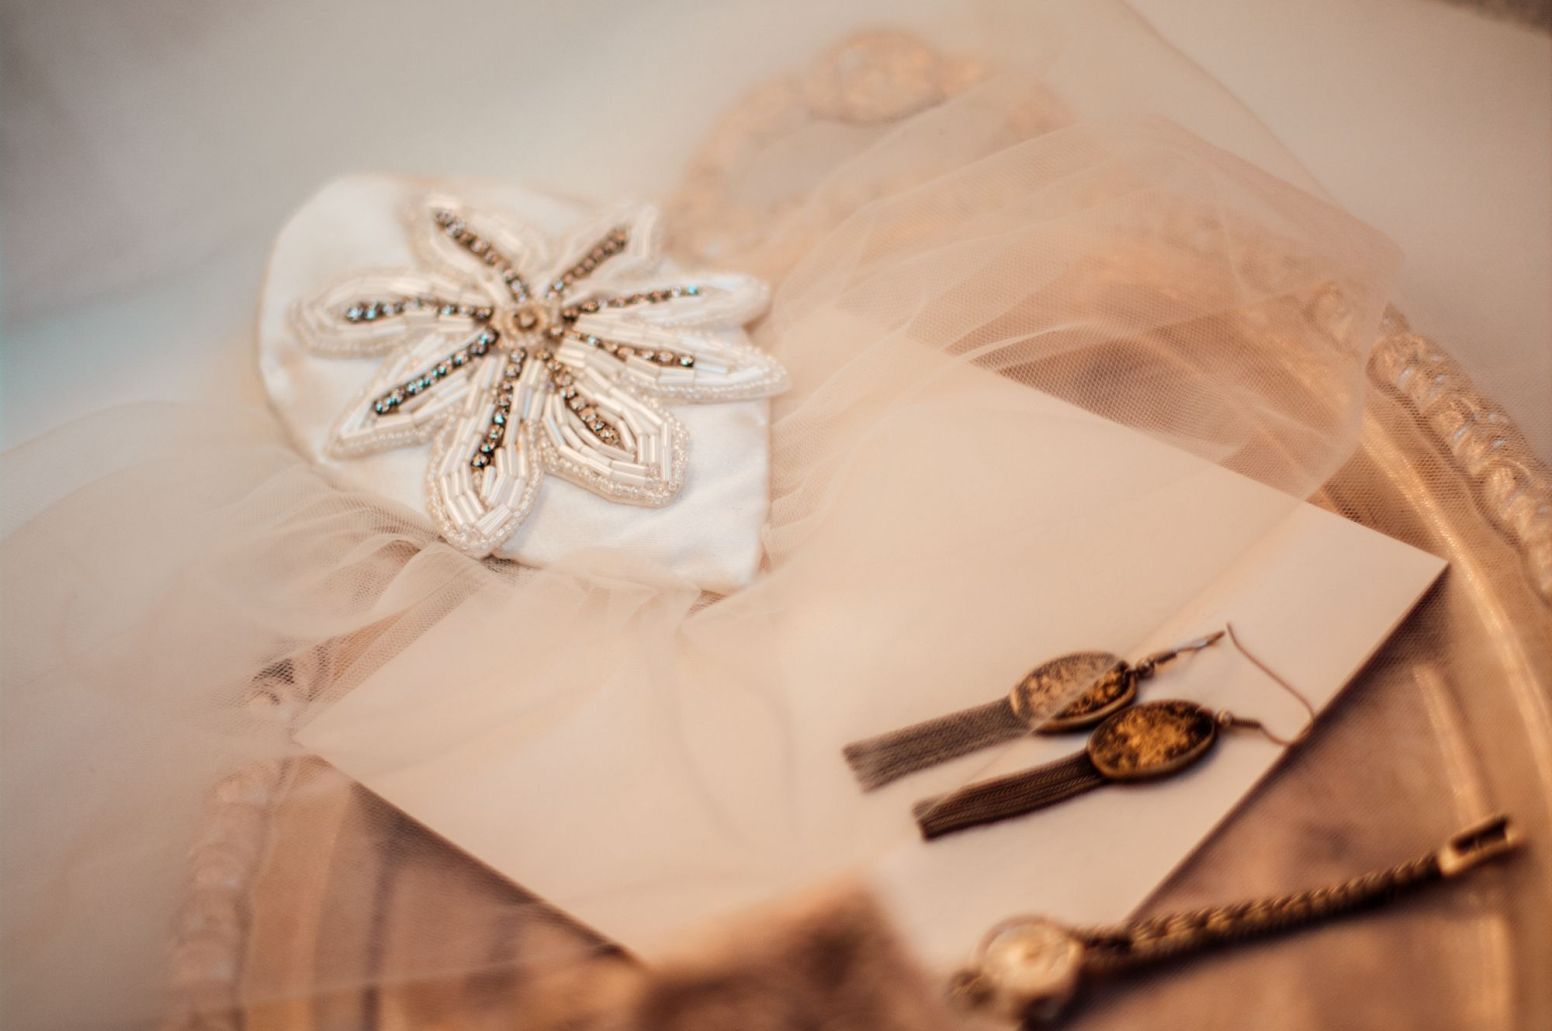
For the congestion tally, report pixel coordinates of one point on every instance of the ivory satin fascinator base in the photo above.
(389, 332)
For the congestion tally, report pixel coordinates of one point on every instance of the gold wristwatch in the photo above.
(1030, 968)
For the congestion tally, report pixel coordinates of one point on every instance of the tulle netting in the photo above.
(184, 592)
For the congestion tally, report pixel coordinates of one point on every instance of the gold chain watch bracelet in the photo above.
(1030, 968)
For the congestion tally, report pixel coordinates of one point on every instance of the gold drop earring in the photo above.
(1149, 741)
(1071, 692)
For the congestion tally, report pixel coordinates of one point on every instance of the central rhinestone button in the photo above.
(533, 317)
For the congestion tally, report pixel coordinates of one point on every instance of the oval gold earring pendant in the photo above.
(1149, 741)
(1146, 742)
(1113, 686)
(1071, 692)
(1152, 740)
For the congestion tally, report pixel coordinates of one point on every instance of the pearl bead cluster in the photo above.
(578, 379)
(560, 377)
(585, 409)
(476, 348)
(481, 248)
(501, 416)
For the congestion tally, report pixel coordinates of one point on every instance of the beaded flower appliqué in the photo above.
(516, 359)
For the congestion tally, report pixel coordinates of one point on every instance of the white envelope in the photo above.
(643, 814)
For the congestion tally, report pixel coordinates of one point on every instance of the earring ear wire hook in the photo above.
(1228, 719)
(1146, 667)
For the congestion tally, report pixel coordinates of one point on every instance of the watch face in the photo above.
(1152, 739)
(1030, 966)
(1072, 691)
